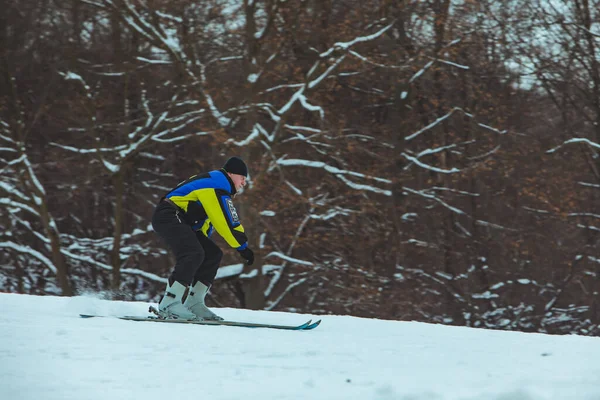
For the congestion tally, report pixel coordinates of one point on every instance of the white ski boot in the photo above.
(171, 306)
(195, 303)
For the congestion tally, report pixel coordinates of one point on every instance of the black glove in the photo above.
(248, 255)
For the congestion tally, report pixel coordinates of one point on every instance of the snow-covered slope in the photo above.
(47, 352)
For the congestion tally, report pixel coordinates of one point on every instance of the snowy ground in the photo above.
(47, 352)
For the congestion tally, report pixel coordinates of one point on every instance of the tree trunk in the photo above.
(253, 288)
(118, 180)
(62, 270)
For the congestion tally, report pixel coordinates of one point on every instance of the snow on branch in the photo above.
(292, 100)
(332, 213)
(257, 131)
(147, 275)
(366, 60)
(486, 154)
(423, 193)
(435, 198)
(277, 274)
(582, 214)
(461, 192)
(597, 35)
(537, 210)
(128, 271)
(347, 45)
(286, 86)
(13, 190)
(324, 75)
(310, 107)
(154, 130)
(575, 140)
(28, 250)
(448, 288)
(19, 205)
(169, 17)
(299, 95)
(328, 168)
(427, 166)
(589, 227)
(274, 303)
(303, 128)
(160, 38)
(92, 3)
(221, 119)
(421, 71)
(228, 271)
(431, 125)
(359, 186)
(339, 174)
(288, 258)
(151, 32)
(150, 61)
(587, 184)
(492, 225)
(15, 161)
(72, 76)
(89, 151)
(6, 138)
(33, 177)
(452, 64)
(444, 117)
(294, 188)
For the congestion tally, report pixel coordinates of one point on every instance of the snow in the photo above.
(328, 168)
(253, 135)
(110, 166)
(229, 270)
(409, 216)
(288, 258)
(49, 353)
(453, 64)
(420, 72)
(151, 61)
(429, 167)
(325, 74)
(32, 176)
(72, 76)
(294, 188)
(223, 121)
(310, 107)
(28, 250)
(249, 275)
(575, 140)
(267, 213)
(347, 45)
(431, 125)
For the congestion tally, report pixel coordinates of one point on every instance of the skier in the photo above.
(184, 218)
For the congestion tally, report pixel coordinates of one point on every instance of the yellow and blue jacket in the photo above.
(206, 202)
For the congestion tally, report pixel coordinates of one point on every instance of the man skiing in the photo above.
(184, 218)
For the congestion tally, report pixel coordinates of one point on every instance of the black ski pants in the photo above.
(197, 256)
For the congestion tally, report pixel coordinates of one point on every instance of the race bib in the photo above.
(235, 218)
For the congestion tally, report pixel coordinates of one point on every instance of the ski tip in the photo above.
(312, 326)
(87, 316)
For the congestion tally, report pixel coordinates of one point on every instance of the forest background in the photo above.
(427, 160)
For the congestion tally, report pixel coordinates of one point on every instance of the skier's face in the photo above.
(239, 181)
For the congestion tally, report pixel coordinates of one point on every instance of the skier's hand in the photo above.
(248, 255)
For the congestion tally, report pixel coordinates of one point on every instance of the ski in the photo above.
(302, 327)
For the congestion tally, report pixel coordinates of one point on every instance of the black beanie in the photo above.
(236, 165)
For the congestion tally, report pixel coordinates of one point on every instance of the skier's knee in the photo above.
(219, 256)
